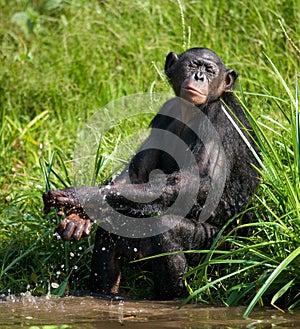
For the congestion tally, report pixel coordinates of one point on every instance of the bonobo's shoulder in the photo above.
(174, 109)
(165, 114)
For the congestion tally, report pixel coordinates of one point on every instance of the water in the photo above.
(88, 312)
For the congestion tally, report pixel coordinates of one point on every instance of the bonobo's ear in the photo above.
(171, 59)
(230, 77)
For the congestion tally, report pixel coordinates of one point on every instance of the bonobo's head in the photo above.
(198, 75)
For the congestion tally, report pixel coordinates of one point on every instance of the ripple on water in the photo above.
(27, 311)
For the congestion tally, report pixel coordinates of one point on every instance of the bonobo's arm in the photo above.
(144, 192)
(136, 200)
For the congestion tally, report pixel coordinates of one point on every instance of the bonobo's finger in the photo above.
(61, 227)
(67, 234)
(60, 198)
(83, 226)
(87, 227)
(47, 203)
(73, 227)
(66, 201)
(78, 231)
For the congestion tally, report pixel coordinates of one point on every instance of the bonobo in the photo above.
(200, 80)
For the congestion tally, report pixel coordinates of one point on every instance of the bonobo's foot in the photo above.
(73, 227)
(76, 223)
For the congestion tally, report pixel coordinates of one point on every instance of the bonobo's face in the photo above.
(198, 75)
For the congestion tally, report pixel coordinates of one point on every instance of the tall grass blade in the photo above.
(281, 292)
(281, 267)
(211, 284)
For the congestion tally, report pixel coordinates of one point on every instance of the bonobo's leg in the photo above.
(168, 270)
(187, 234)
(106, 264)
(108, 256)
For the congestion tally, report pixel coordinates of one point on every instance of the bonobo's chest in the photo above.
(202, 138)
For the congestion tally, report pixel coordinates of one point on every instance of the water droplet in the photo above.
(54, 285)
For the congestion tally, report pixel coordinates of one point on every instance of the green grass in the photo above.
(60, 61)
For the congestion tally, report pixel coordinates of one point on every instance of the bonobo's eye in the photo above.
(210, 70)
(194, 65)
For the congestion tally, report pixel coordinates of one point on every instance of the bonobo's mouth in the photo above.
(193, 90)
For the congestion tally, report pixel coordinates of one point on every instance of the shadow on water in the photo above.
(88, 312)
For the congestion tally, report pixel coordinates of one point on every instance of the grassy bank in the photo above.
(63, 60)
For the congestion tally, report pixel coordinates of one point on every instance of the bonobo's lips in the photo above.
(193, 90)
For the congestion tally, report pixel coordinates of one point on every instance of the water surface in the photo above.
(87, 312)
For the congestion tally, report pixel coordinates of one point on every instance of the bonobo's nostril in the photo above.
(199, 76)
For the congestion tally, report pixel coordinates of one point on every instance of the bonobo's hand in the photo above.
(63, 200)
(77, 224)
(73, 227)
